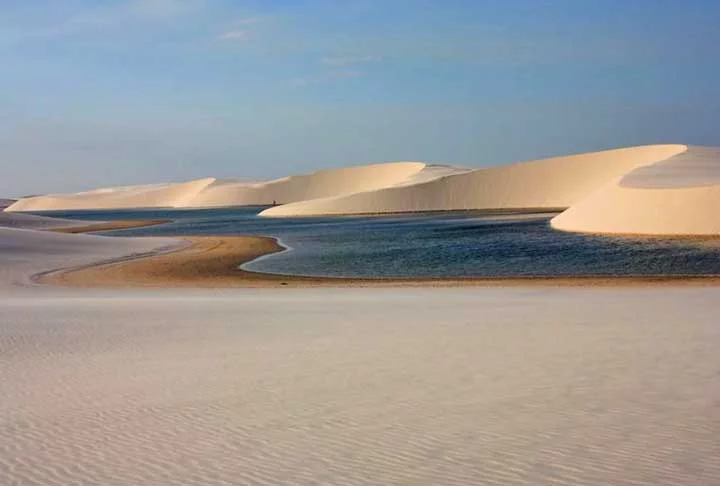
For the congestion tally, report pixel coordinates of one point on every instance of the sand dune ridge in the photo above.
(677, 196)
(653, 189)
(557, 182)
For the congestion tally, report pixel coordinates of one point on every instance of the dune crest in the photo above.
(212, 192)
(557, 182)
(145, 196)
(677, 196)
(653, 189)
(320, 184)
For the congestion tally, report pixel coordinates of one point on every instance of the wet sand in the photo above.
(109, 226)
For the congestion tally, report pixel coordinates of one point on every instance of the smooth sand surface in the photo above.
(360, 387)
(213, 261)
(678, 196)
(324, 183)
(211, 192)
(145, 196)
(550, 183)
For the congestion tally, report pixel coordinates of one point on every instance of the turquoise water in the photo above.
(461, 244)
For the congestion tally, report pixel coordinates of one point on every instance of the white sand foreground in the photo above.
(360, 387)
(451, 386)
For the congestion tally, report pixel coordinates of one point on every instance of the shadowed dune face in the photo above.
(696, 167)
(677, 196)
(551, 183)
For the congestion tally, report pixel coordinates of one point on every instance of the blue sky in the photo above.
(109, 92)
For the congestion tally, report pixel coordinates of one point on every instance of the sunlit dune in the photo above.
(654, 189)
(676, 196)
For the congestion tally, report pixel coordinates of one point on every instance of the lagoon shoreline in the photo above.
(215, 261)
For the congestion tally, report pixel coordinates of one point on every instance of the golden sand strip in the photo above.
(213, 261)
(109, 226)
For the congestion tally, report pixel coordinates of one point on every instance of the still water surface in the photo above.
(461, 244)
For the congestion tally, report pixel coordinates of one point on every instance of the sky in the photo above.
(110, 92)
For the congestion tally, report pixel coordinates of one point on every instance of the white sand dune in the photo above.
(654, 189)
(550, 183)
(213, 192)
(324, 183)
(145, 196)
(453, 387)
(677, 196)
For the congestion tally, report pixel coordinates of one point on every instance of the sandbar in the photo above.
(109, 226)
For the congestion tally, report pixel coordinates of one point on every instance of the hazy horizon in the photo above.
(123, 92)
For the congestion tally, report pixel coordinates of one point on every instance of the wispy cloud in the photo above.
(234, 35)
(239, 29)
(337, 68)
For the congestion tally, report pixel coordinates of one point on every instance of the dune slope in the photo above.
(653, 189)
(211, 192)
(550, 183)
(145, 196)
(319, 184)
(678, 196)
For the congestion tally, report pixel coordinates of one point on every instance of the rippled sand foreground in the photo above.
(360, 386)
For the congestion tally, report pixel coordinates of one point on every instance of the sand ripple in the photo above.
(438, 386)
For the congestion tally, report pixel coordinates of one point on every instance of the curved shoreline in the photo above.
(215, 261)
